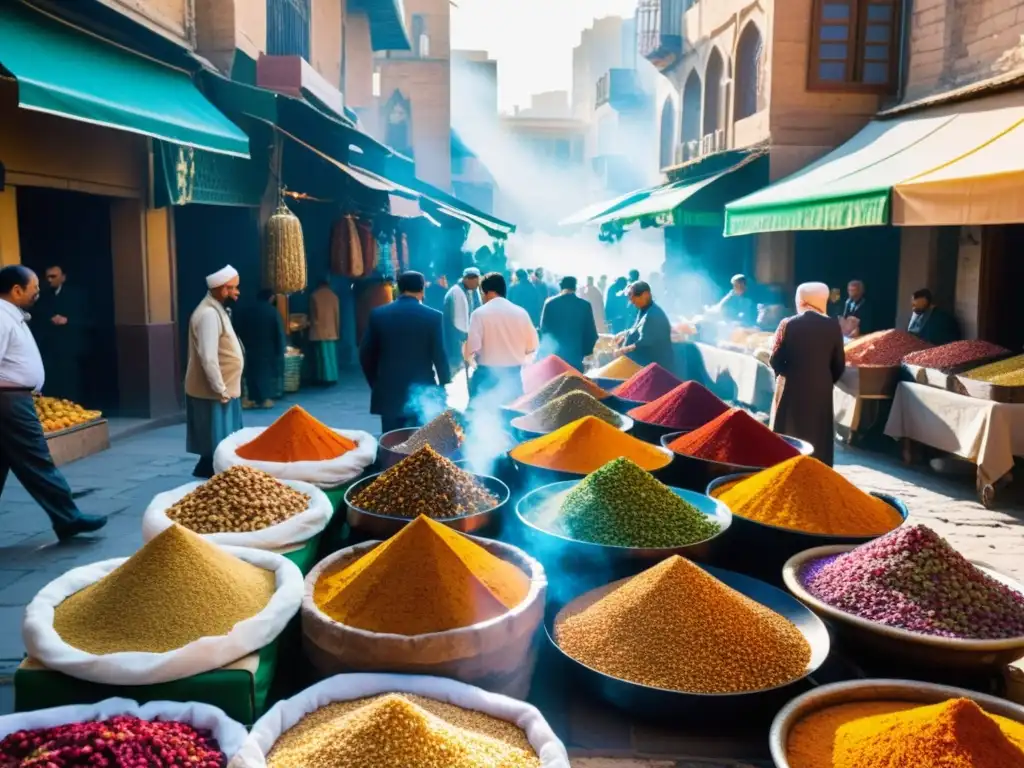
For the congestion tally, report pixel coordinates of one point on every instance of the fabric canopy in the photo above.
(659, 202)
(66, 72)
(594, 210)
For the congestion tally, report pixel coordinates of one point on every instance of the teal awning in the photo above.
(592, 211)
(64, 71)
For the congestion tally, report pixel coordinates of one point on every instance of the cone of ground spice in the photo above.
(802, 494)
(427, 578)
(296, 436)
(565, 410)
(540, 373)
(175, 590)
(687, 407)
(646, 385)
(562, 384)
(735, 437)
(443, 433)
(675, 626)
(586, 445)
(620, 369)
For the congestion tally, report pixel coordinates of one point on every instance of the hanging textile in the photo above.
(346, 249)
(368, 243)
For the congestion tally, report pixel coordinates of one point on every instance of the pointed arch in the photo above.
(668, 133)
(397, 119)
(714, 73)
(748, 98)
(692, 97)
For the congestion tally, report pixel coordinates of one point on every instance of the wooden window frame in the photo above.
(858, 23)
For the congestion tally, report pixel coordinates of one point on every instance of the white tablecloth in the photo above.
(738, 376)
(985, 433)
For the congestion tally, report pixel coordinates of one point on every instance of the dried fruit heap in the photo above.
(562, 384)
(239, 499)
(912, 579)
(648, 384)
(123, 741)
(688, 406)
(586, 445)
(565, 410)
(735, 437)
(296, 436)
(401, 729)
(955, 354)
(1006, 373)
(676, 626)
(622, 505)
(883, 349)
(425, 483)
(443, 433)
(56, 414)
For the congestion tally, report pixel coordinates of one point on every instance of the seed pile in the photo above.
(621, 368)
(648, 384)
(914, 580)
(540, 373)
(175, 590)
(803, 494)
(443, 433)
(586, 445)
(425, 483)
(735, 437)
(1006, 373)
(401, 729)
(296, 436)
(565, 410)
(562, 384)
(955, 354)
(621, 505)
(123, 741)
(883, 349)
(688, 406)
(427, 578)
(239, 499)
(677, 627)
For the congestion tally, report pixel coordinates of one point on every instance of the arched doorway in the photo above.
(668, 133)
(749, 63)
(713, 112)
(691, 114)
(398, 123)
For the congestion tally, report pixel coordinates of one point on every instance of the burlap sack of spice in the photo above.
(138, 668)
(285, 714)
(322, 474)
(295, 530)
(498, 655)
(230, 734)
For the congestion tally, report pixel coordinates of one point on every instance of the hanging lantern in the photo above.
(284, 256)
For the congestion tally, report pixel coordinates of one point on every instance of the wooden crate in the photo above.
(79, 441)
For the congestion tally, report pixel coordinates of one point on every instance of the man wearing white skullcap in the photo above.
(213, 380)
(808, 358)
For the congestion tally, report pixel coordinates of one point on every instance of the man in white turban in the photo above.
(808, 358)
(213, 380)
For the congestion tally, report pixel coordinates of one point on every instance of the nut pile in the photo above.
(562, 384)
(425, 483)
(955, 354)
(565, 410)
(1006, 373)
(883, 349)
(914, 580)
(443, 433)
(238, 500)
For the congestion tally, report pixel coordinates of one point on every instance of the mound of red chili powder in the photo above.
(647, 384)
(735, 437)
(688, 406)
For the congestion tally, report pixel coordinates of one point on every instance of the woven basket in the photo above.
(292, 373)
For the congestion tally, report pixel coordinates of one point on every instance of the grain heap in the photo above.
(648, 384)
(586, 445)
(914, 580)
(1005, 373)
(56, 414)
(677, 627)
(540, 373)
(175, 590)
(562, 384)
(443, 433)
(296, 436)
(688, 406)
(565, 410)
(619, 369)
(735, 437)
(621, 505)
(425, 483)
(802, 494)
(427, 578)
(401, 729)
(892, 734)
(239, 499)
(955, 355)
(883, 349)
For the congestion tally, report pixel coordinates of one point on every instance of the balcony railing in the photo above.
(621, 87)
(659, 29)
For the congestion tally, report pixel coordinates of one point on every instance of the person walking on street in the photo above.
(524, 294)
(324, 330)
(60, 325)
(213, 379)
(595, 296)
(650, 338)
(437, 289)
(460, 302)
(23, 448)
(616, 306)
(261, 332)
(567, 326)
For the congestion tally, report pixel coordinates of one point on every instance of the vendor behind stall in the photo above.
(736, 306)
(650, 338)
(931, 323)
(856, 318)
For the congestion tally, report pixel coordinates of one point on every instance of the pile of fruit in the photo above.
(56, 414)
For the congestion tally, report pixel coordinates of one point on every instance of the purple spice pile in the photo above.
(123, 741)
(912, 579)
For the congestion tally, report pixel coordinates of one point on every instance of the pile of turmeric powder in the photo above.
(585, 446)
(296, 436)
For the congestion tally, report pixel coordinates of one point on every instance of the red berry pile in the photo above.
(884, 349)
(120, 742)
(955, 354)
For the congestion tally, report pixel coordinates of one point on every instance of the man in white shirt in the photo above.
(502, 340)
(23, 448)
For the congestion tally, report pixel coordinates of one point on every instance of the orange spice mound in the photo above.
(585, 446)
(296, 436)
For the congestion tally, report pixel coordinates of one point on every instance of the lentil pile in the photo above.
(620, 369)
(676, 626)
(443, 433)
(175, 590)
(883, 349)
(688, 406)
(914, 580)
(540, 373)
(296, 436)
(427, 578)
(955, 354)
(955, 733)
(586, 445)
(1006, 373)
(646, 385)
(425, 483)
(239, 499)
(562, 384)
(123, 741)
(621, 505)
(565, 410)
(401, 729)
(802, 494)
(735, 437)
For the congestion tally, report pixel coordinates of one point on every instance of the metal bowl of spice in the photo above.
(443, 433)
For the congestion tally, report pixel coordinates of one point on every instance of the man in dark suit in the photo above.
(60, 325)
(857, 317)
(402, 356)
(650, 338)
(931, 323)
(567, 326)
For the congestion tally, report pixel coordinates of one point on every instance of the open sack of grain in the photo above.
(242, 507)
(201, 727)
(359, 740)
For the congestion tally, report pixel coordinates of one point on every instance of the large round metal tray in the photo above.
(695, 474)
(387, 457)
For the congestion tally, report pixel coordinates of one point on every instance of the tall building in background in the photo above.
(475, 85)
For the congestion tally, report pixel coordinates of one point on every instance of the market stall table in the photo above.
(860, 396)
(79, 441)
(734, 376)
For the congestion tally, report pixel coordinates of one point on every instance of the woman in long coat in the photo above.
(808, 359)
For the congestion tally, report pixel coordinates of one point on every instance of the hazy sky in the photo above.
(532, 40)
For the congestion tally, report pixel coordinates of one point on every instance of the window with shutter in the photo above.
(854, 45)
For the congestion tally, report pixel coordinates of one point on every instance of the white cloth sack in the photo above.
(230, 735)
(141, 668)
(323, 474)
(295, 530)
(285, 714)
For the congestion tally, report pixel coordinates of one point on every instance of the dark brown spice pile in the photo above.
(443, 433)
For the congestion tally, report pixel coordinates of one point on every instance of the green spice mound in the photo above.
(621, 505)
(565, 410)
